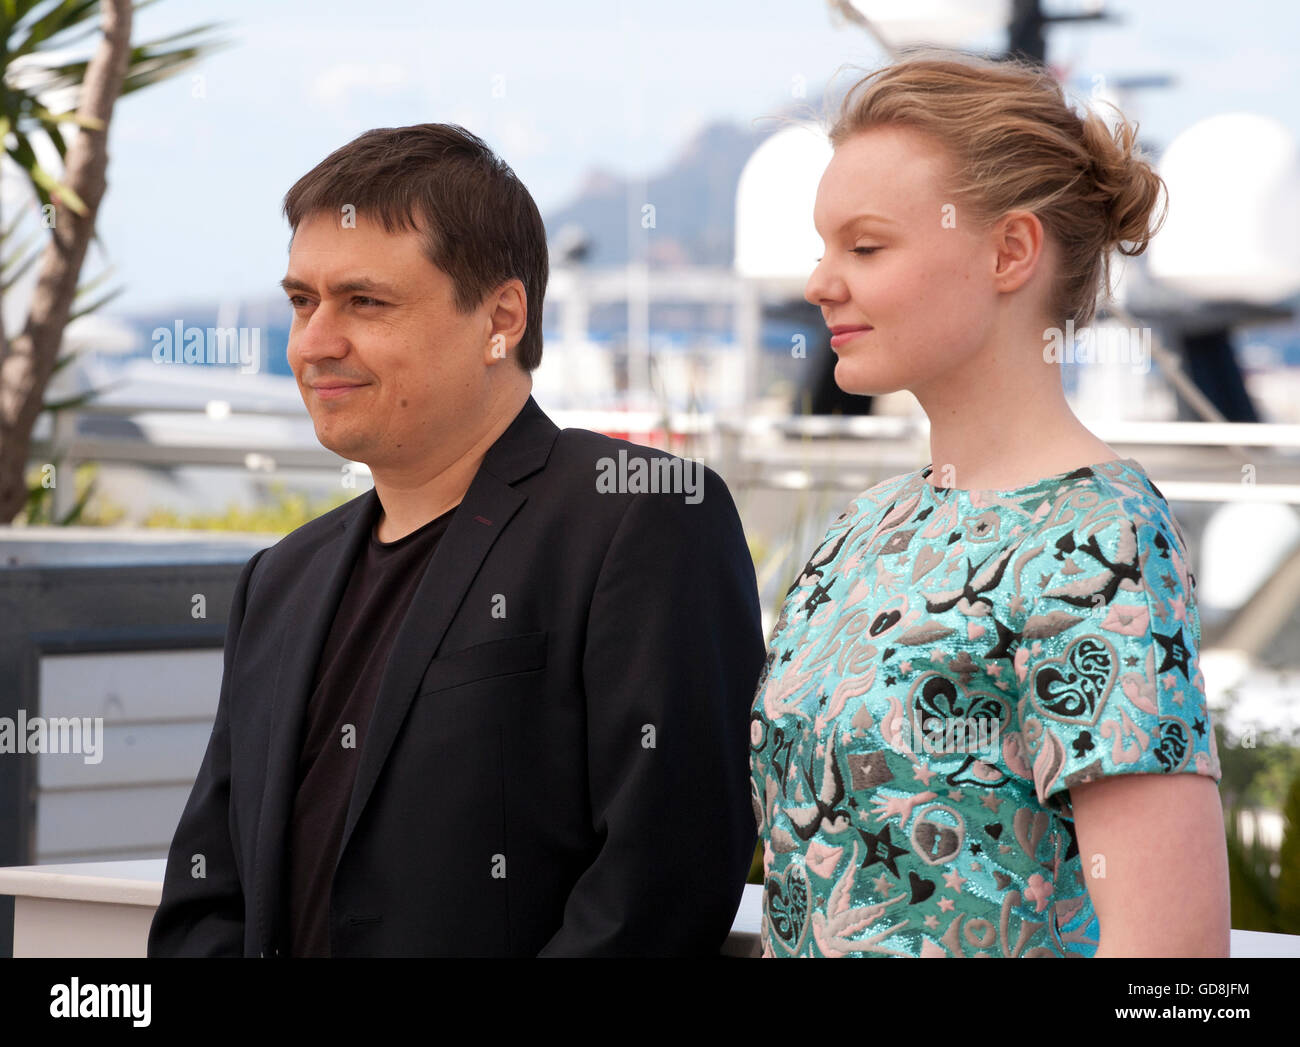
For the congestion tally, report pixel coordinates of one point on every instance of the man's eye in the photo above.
(296, 300)
(362, 299)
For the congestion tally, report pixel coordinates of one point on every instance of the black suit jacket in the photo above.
(557, 762)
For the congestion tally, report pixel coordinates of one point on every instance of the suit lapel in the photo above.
(479, 520)
(308, 614)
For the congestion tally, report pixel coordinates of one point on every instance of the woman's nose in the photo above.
(821, 286)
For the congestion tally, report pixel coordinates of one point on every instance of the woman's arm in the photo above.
(1155, 862)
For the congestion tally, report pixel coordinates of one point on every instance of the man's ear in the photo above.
(509, 320)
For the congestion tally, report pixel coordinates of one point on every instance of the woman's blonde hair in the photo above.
(1016, 144)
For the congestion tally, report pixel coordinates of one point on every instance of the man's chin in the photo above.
(353, 450)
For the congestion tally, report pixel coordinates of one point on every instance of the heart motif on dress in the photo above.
(1074, 687)
(786, 904)
(1175, 744)
(921, 888)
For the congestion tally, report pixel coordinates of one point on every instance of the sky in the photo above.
(199, 164)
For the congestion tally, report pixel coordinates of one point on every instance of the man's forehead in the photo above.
(325, 233)
(342, 283)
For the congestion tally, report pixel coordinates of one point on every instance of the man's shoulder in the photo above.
(591, 464)
(304, 540)
(582, 450)
(581, 446)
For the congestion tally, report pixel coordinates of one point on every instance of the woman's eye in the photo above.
(865, 250)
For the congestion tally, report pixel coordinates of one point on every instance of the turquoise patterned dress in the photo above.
(947, 665)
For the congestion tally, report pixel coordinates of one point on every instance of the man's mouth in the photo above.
(334, 390)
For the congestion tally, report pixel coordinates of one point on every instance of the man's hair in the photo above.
(479, 223)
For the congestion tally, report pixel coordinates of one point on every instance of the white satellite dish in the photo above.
(948, 23)
(775, 235)
(1233, 230)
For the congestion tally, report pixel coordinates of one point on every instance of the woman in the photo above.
(982, 727)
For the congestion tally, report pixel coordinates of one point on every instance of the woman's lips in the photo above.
(841, 335)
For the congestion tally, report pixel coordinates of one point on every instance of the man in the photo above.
(499, 704)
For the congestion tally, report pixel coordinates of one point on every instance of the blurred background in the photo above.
(674, 150)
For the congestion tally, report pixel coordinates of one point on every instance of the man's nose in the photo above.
(321, 335)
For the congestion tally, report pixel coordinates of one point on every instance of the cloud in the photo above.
(348, 78)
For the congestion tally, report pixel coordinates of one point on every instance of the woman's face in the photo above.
(901, 260)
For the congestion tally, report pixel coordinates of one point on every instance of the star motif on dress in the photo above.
(991, 801)
(822, 700)
(1043, 579)
(880, 848)
(932, 922)
(786, 656)
(975, 866)
(947, 904)
(954, 879)
(954, 794)
(881, 884)
(1168, 581)
(820, 594)
(922, 773)
(1175, 651)
(853, 801)
(1004, 848)
(890, 681)
(974, 849)
(1198, 727)
(1131, 660)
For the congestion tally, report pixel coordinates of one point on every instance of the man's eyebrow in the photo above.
(352, 285)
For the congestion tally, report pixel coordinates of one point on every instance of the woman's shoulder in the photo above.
(1113, 501)
(1110, 533)
(884, 494)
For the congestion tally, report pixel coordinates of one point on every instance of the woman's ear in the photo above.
(1019, 245)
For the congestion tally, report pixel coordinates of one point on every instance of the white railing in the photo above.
(103, 909)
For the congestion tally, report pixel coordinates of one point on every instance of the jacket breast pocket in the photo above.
(484, 661)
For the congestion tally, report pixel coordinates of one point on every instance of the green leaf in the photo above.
(99, 303)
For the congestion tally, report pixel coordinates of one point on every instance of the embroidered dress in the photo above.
(945, 668)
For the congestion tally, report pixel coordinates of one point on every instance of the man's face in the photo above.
(383, 359)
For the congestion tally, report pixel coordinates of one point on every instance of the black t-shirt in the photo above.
(379, 591)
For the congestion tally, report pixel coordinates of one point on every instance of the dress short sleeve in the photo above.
(1107, 664)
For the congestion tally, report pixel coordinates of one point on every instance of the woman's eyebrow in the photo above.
(866, 216)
